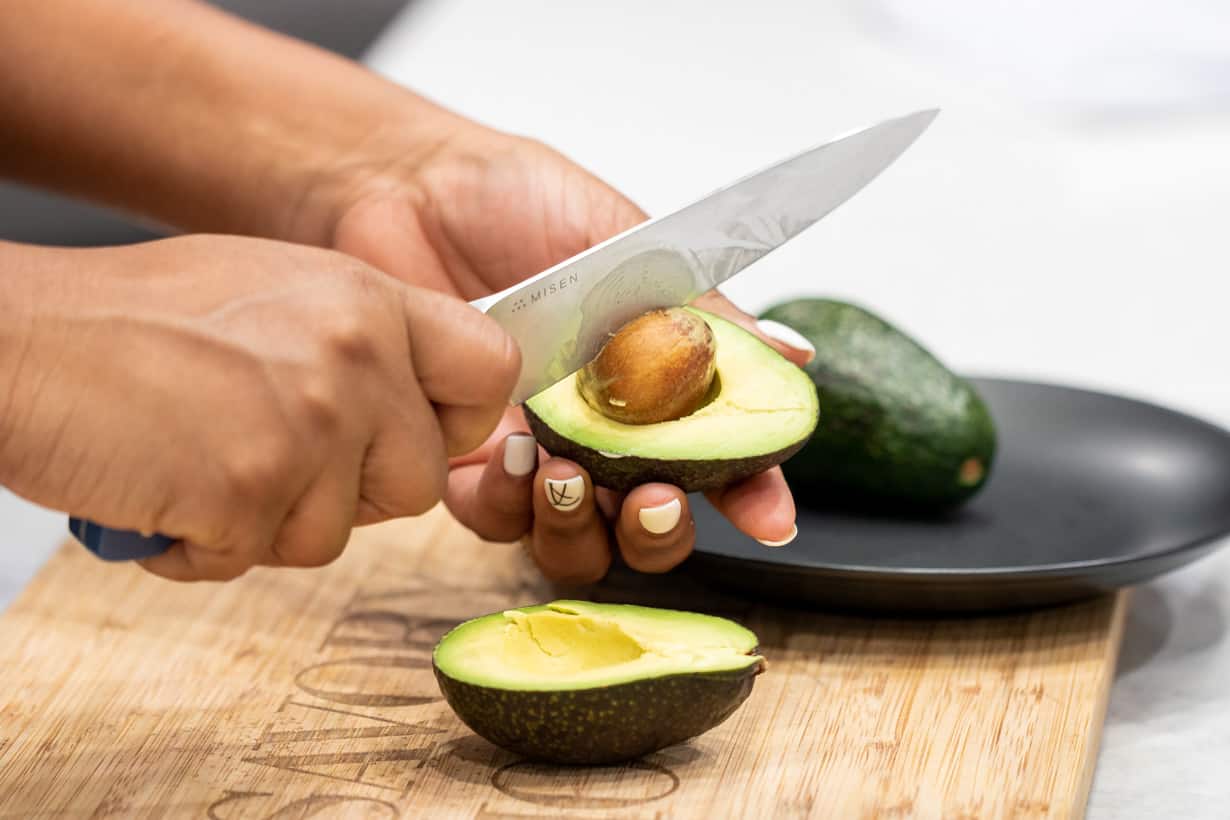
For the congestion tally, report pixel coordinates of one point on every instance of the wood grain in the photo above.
(308, 694)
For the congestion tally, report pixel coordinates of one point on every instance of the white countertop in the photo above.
(1016, 238)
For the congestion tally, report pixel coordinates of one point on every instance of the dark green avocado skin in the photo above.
(599, 726)
(625, 473)
(896, 425)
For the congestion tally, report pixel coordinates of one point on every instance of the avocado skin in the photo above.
(897, 424)
(602, 725)
(627, 472)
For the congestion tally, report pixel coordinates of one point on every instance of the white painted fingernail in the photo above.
(520, 454)
(794, 533)
(785, 334)
(566, 494)
(661, 519)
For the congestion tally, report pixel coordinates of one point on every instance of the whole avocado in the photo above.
(898, 429)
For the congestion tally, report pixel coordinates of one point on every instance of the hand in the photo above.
(483, 212)
(363, 166)
(252, 398)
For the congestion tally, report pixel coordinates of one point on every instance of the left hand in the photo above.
(480, 213)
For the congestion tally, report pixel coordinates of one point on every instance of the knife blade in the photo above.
(562, 316)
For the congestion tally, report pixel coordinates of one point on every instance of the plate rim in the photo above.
(1077, 567)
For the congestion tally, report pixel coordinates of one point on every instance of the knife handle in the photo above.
(117, 545)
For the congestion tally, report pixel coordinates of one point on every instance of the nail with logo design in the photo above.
(565, 494)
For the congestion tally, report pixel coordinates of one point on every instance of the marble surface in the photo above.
(1082, 247)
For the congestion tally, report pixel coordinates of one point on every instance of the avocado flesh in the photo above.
(901, 432)
(576, 682)
(761, 412)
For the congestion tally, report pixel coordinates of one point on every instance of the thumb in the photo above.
(384, 231)
(461, 356)
(785, 340)
(465, 364)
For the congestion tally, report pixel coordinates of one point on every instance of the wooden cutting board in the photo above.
(308, 694)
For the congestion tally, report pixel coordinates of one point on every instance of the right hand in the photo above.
(251, 398)
(482, 212)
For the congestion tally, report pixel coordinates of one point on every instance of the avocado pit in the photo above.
(658, 367)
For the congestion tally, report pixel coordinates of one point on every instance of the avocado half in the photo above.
(761, 410)
(583, 683)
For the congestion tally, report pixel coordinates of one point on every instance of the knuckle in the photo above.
(256, 469)
(350, 319)
(348, 335)
(412, 496)
(317, 401)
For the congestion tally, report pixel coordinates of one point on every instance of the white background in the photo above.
(1030, 232)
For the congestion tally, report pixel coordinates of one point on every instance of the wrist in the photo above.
(254, 132)
(399, 135)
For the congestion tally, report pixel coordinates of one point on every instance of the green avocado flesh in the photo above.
(900, 430)
(584, 683)
(761, 412)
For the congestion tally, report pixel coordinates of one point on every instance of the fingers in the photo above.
(569, 541)
(386, 233)
(785, 340)
(405, 468)
(655, 530)
(465, 364)
(761, 506)
(188, 561)
(318, 526)
(495, 500)
(465, 429)
(461, 357)
(403, 475)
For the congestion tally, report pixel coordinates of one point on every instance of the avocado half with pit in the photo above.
(758, 411)
(583, 683)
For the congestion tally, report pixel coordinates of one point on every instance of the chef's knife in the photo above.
(561, 317)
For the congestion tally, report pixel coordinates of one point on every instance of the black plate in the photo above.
(1090, 492)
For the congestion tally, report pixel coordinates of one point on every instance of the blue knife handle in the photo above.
(117, 545)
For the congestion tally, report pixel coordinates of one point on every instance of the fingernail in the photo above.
(661, 519)
(520, 454)
(786, 335)
(565, 494)
(794, 533)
